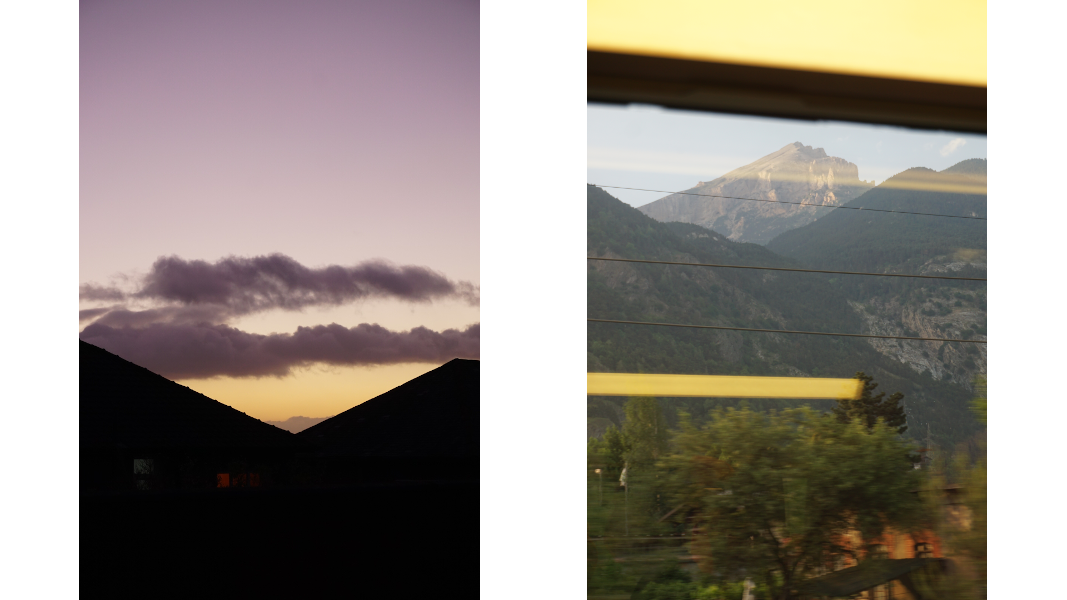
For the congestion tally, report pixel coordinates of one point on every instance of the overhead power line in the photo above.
(666, 262)
(903, 212)
(862, 335)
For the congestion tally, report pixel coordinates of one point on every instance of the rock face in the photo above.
(934, 311)
(795, 173)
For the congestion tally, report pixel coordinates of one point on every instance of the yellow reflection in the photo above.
(956, 183)
(903, 39)
(766, 171)
(923, 182)
(634, 384)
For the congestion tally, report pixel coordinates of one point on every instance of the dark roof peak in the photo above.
(124, 405)
(434, 415)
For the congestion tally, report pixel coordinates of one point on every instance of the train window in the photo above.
(761, 293)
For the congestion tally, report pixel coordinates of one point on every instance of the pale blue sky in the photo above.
(650, 147)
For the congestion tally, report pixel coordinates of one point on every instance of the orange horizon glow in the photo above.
(314, 392)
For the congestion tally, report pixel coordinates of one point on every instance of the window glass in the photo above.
(780, 311)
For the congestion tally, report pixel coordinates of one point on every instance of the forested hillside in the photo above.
(915, 244)
(735, 297)
(853, 240)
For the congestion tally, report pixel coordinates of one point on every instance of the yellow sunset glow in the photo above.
(315, 392)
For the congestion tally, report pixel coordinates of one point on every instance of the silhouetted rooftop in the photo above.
(433, 415)
(864, 576)
(122, 405)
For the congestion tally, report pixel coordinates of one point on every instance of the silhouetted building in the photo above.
(309, 512)
(427, 428)
(139, 430)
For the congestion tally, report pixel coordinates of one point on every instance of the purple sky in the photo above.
(332, 133)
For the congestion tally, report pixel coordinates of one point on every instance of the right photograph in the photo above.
(787, 304)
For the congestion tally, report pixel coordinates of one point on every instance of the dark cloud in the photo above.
(91, 313)
(88, 291)
(468, 292)
(123, 317)
(246, 285)
(181, 350)
(186, 337)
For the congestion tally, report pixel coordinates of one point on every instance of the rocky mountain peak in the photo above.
(807, 151)
(793, 173)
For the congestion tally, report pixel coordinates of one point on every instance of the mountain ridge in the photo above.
(296, 424)
(738, 298)
(793, 173)
(854, 241)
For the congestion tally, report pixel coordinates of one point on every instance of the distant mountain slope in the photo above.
(971, 166)
(794, 173)
(858, 241)
(896, 243)
(297, 424)
(732, 297)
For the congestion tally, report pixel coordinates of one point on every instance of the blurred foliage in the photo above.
(646, 432)
(672, 590)
(978, 405)
(793, 484)
(961, 517)
(772, 495)
(616, 449)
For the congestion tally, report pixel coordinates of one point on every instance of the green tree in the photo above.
(972, 542)
(616, 448)
(964, 524)
(961, 525)
(646, 430)
(590, 558)
(777, 493)
(978, 404)
(868, 408)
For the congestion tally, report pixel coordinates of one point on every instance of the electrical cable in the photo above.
(665, 262)
(862, 335)
(903, 212)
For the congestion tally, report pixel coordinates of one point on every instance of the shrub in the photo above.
(726, 591)
(672, 590)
